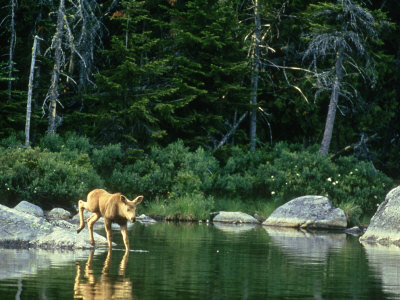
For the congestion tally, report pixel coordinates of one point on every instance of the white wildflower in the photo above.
(329, 179)
(272, 193)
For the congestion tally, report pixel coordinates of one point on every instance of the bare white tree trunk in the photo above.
(30, 88)
(57, 45)
(254, 79)
(13, 39)
(330, 118)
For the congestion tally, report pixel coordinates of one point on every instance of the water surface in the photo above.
(200, 261)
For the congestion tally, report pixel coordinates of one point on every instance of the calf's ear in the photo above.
(124, 199)
(137, 200)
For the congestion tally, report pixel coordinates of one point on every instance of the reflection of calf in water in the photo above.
(90, 287)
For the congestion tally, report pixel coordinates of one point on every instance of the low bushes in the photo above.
(182, 184)
(287, 171)
(45, 178)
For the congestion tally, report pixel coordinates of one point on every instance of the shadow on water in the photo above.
(89, 286)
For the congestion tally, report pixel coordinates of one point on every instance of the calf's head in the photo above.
(129, 207)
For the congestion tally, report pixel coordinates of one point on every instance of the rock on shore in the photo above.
(234, 218)
(384, 227)
(23, 229)
(311, 212)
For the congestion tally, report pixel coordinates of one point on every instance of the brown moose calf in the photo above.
(115, 208)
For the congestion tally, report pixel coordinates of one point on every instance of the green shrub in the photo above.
(44, 178)
(288, 171)
(14, 139)
(182, 183)
(107, 159)
(184, 208)
(167, 173)
(75, 142)
(51, 142)
(353, 213)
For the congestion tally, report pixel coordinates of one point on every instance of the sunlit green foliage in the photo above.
(182, 184)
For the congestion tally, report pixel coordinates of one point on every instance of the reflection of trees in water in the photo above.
(103, 287)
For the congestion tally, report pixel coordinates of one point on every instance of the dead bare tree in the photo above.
(56, 45)
(30, 88)
(265, 17)
(11, 49)
(343, 35)
(86, 27)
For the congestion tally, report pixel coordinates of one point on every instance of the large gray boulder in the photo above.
(22, 229)
(384, 227)
(29, 208)
(234, 217)
(311, 212)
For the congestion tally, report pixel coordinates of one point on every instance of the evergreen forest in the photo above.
(200, 105)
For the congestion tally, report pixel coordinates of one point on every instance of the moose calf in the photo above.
(115, 208)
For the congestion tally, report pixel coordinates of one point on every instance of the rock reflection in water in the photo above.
(385, 260)
(89, 286)
(234, 228)
(17, 263)
(303, 246)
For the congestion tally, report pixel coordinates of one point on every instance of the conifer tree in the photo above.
(338, 41)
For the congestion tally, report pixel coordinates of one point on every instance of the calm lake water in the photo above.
(200, 261)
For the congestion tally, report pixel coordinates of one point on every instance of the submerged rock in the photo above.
(234, 217)
(354, 230)
(29, 208)
(384, 227)
(23, 229)
(313, 212)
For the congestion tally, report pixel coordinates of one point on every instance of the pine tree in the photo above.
(338, 38)
(174, 71)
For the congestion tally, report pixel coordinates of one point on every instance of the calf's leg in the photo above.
(81, 207)
(125, 236)
(107, 225)
(92, 219)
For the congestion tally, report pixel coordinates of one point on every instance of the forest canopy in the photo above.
(214, 74)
